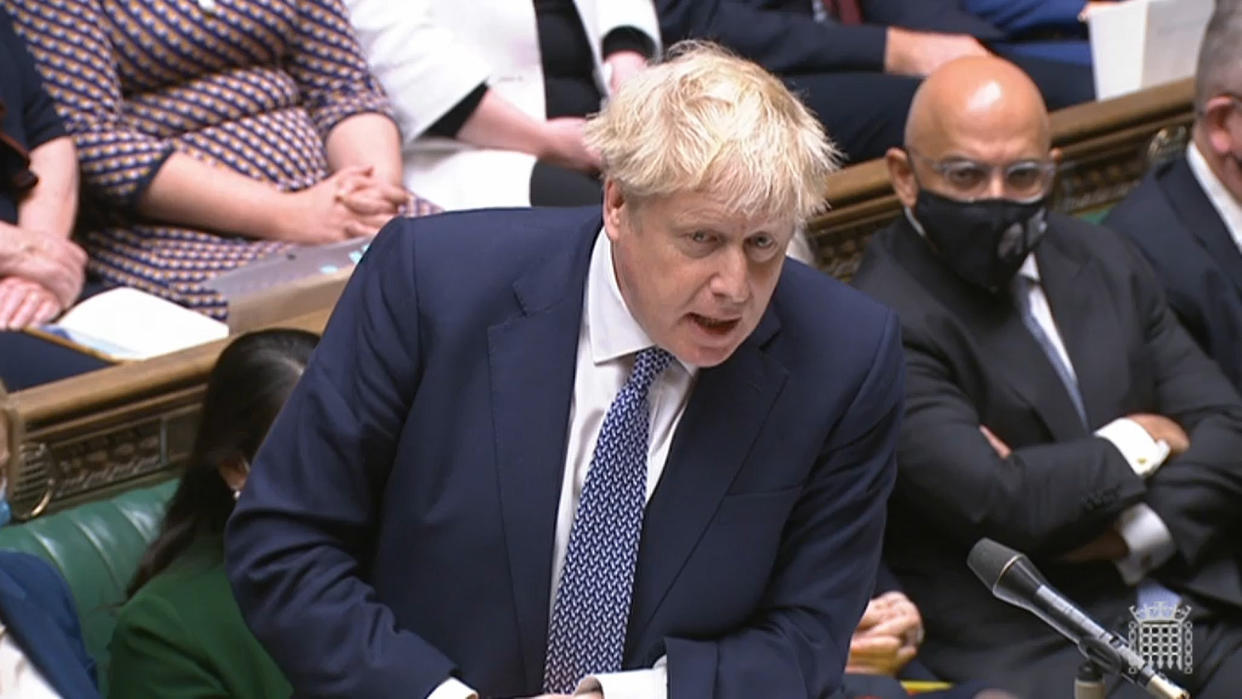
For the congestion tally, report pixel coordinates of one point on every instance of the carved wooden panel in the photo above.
(93, 458)
(99, 433)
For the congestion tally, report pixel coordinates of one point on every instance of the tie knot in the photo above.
(648, 365)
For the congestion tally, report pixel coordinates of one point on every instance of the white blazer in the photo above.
(429, 54)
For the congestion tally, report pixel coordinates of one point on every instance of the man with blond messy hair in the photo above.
(626, 453)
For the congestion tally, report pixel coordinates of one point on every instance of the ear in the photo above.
(1055, 155)
(901, 175)
(616, 211)
(234, 470)
(1215, 125)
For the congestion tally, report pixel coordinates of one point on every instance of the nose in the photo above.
(731, 282)
(996, 185)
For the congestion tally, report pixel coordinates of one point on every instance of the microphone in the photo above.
(1014, 579)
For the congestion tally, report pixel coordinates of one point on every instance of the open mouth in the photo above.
(715, 326)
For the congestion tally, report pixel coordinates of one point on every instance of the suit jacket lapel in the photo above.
(1094, 340)
(1186, 196)
(532, 360)
(995, 325)
(41, 639)
(727, 409)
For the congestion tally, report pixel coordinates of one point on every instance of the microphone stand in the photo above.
(1089, 683)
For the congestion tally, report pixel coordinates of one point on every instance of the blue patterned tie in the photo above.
(1022, 289)
(587, 631)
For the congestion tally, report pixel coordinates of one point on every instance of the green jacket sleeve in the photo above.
(154, 654)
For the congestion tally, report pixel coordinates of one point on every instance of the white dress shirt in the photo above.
(18, 676)
(1223, 201)
(608, 341)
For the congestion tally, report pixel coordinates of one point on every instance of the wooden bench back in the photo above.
(90, 436)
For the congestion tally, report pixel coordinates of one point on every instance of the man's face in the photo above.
(990, 152)
(1219, 137)
(696, 277)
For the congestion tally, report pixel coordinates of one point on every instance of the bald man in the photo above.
(1053, 403)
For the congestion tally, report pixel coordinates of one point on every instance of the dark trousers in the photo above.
(1063, 84)
(26, 360)
(863, 113)
(551, 185)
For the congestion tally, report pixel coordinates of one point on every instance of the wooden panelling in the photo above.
(91, 435)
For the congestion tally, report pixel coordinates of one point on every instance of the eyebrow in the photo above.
(976, 161)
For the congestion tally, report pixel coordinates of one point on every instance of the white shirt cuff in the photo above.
(1149, 540)
(453, 688)
(1143, 453)
(631, 684)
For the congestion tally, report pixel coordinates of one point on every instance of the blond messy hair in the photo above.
(707, 121)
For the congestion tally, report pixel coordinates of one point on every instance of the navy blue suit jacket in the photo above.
(39, 612)
(398, 524)
(1172, 221)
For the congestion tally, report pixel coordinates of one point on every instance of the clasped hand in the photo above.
(351, 203)
(887, 637)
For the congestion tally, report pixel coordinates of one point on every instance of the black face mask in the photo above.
(985, 241)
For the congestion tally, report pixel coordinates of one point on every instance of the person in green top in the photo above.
(180, 634)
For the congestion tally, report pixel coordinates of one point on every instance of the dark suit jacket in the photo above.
(779, 35)
(37, 609)
(398, 524)
(971, 362)
(782, 36)
(29, 115)
(1171, 220)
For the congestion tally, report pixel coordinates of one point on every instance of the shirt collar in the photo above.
(612, 330)
(1227, 207)
(1029, 268)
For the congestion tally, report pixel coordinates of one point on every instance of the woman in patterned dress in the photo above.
(211, 133)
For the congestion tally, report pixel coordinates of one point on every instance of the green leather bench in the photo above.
(97, 547)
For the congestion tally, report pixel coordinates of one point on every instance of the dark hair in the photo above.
(250, 382)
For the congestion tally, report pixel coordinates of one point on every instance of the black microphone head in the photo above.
(988, 560)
